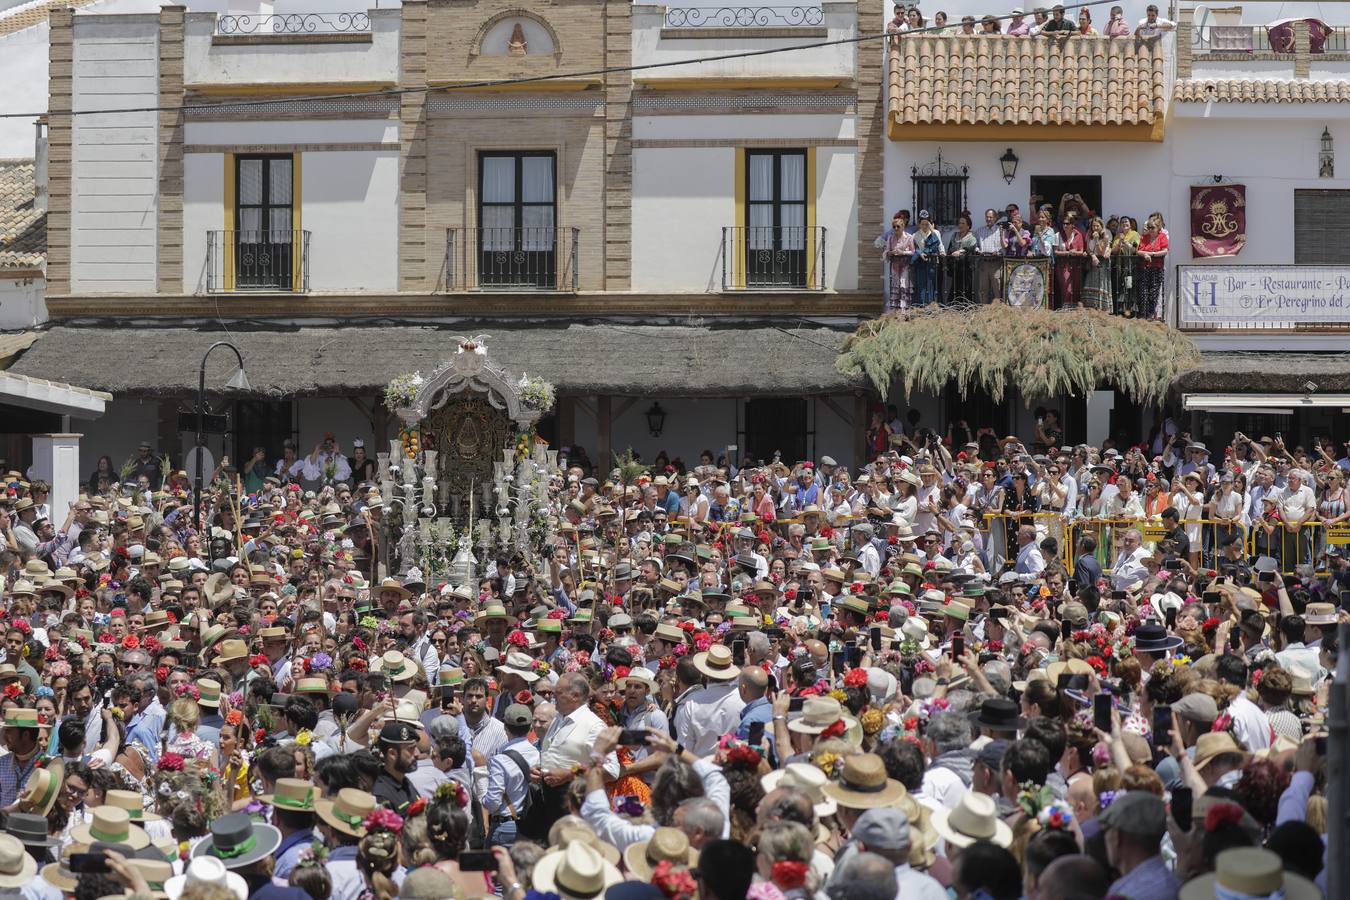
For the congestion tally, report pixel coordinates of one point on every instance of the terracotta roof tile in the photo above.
(1235, 90)
(23, 230)
(30, 14)
(1020, 81)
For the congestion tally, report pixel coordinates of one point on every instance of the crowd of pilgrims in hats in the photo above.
(758, 681)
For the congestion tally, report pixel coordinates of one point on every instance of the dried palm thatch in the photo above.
(1040, 352)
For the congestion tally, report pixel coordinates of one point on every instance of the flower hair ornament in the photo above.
(1055, 815)
(452, 792)
(383, 819)
(789, 873)
(674, 881)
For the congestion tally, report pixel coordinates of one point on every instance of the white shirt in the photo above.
(313, 469)
(569, 740)
(1159, 25)
(1297, 505)
(424, 651)
(489, 735)
(619, 832)
(1029, 561)
(869, 560)
(710, 712)
(1250, 725)
(943, 786)
(912, 884)
(1129, 568)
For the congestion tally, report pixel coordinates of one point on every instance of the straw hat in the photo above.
(206, 870)
(59, 874)
(230, 651)
(294, 794)
(44, 786)
(665, 845)
(1249, 872)
(863, 784)
(819, 713)
(313, 685)
(112, 825)
(395, 666)
(210, 692)
(348, 811)
(1213, 744)
(716, 663)
(974, 818)
(807, 778)
(493, 611)
(571, 830)
(519, 664)
(132, 803)
(17, 867)
(577, 872)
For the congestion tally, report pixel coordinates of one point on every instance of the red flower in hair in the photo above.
(259, 735)
(173, 618)
(13, 691)
(517, 638)
(836, 729)
(234, 717)
(524, 698)
(22, 625)
(856, 678)
(415, 807)
(131, 642)
(621, 672)
(170, 762)
(357, 663)
(1221, 814)
(151, 646)
(789, 873)
(1097, 663)
(162, 674)
(258, 659)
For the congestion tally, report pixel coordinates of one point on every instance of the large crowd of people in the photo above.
(728, 679)
(1046, 22)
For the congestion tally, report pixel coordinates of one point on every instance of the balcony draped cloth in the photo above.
(1218, 220)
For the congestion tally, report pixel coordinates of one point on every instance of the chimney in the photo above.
(40, 165)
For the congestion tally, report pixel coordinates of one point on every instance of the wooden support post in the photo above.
(603, 429)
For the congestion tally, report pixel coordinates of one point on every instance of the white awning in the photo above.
(52, 396)
(1263, 404)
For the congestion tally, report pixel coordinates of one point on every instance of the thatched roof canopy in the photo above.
(1039, 352)
(716, 359)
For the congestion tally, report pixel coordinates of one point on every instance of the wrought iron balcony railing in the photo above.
(294, 23)
(744, 16)
(542, 258)
(773, 257)
(272, 260)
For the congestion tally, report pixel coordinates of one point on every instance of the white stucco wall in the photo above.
(124, 425)
(114, 175)
(350, 207)
(348, 199)
(684, 196)
(208, 63)
(21, 303)
(203, 211)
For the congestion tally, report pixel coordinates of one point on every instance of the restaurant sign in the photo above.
(1262, 296)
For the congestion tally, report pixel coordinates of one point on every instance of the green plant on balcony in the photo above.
(1040, 352)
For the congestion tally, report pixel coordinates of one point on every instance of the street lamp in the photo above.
(656, 419)
(1009, 163)
(239, 382)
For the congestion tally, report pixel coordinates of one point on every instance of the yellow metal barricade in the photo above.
(1292, 549)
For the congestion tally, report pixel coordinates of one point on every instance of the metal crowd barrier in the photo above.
(1292, 549)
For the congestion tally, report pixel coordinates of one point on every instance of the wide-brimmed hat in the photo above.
(863, 784)
(348, 811)
(59, 874)
(230, 651)
(665, 845)
(1215, 743)
(392, 584)
(818, 714)
(1303, 681)
(807, 778)
(519, 664)
(294, 794)
(667, 632)
(493, 611)
(576, 872)
(44, 786)
(716, 663)
(112, 825)
(17, 867)
(1152, 637)
(238, 841)
(974, 818)
(134, 804)
(207, 870)
(1249, 872)
(30, 829)
(448, 678)
(395, 666)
